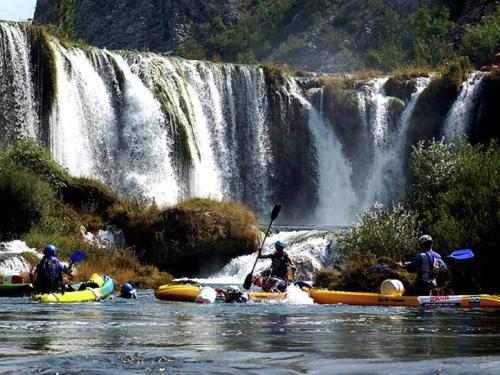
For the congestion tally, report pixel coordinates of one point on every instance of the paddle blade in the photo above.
(375, 268)
(276, 212)
(248, 281)
(77, 256)
(462, 254)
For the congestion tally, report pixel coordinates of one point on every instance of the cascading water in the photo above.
(18, 112)
(459, 118)
(337, 197)
(385, 171)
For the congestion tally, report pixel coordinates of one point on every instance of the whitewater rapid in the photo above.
(309, 249)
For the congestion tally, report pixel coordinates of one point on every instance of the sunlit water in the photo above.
(149, 336)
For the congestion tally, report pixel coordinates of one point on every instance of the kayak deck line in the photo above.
(188, 293)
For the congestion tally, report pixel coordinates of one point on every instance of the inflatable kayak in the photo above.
(96, 289)
(188, 293)
(374, 299)
(15, 290)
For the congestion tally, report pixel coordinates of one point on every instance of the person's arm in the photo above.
(264, 256)
(291, 263)
(32, 274)
(413, 265)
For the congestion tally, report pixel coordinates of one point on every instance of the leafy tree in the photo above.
(481, 42)
(430, 28)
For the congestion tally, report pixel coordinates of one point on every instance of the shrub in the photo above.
(26, 200)
(29, 155)
(380, 233)
(123, 266)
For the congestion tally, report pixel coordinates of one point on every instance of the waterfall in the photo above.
(337, 197)
(459, 119)
(385, 172)
(18, 110)
(162, 129)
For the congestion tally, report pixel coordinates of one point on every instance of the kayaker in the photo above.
(235, 295)
(47, 275)
(280, 261)
(427, 264)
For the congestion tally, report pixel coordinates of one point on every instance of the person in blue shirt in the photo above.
(427, 264)
(47, 275)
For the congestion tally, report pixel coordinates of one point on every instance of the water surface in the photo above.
(149, 336)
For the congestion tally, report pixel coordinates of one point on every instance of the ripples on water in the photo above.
(149, 336)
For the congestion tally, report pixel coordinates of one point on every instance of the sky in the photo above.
(16, 10)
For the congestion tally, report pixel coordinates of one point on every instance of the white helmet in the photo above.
(424, 239)
(233, 289)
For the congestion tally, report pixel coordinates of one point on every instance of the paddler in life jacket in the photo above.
(280, 261)
(427, 264)
(47, 275)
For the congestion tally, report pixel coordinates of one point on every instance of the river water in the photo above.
(149, 336)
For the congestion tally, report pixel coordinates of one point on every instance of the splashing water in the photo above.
(296, 296)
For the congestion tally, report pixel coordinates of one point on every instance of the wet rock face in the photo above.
(400, 88)
(293, 178)
(156, 25)
(488, 111)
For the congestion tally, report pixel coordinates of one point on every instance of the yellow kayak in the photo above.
(374, 299)
(188, 293)
(104, 289)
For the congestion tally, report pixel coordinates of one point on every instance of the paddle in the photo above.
(274, 214)
(457, 254)
(76, 257)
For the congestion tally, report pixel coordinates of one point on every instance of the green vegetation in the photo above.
(62, 14)
(455, 197)
(26, 200)
(481, 42)
(37, 160)
(370, 35)
(379, 233)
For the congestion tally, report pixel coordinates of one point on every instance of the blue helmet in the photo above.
(50, 250)
(280, 244)
(128, 291)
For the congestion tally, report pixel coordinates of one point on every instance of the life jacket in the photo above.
(49, 275)
(279, 265)
(431, 265)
